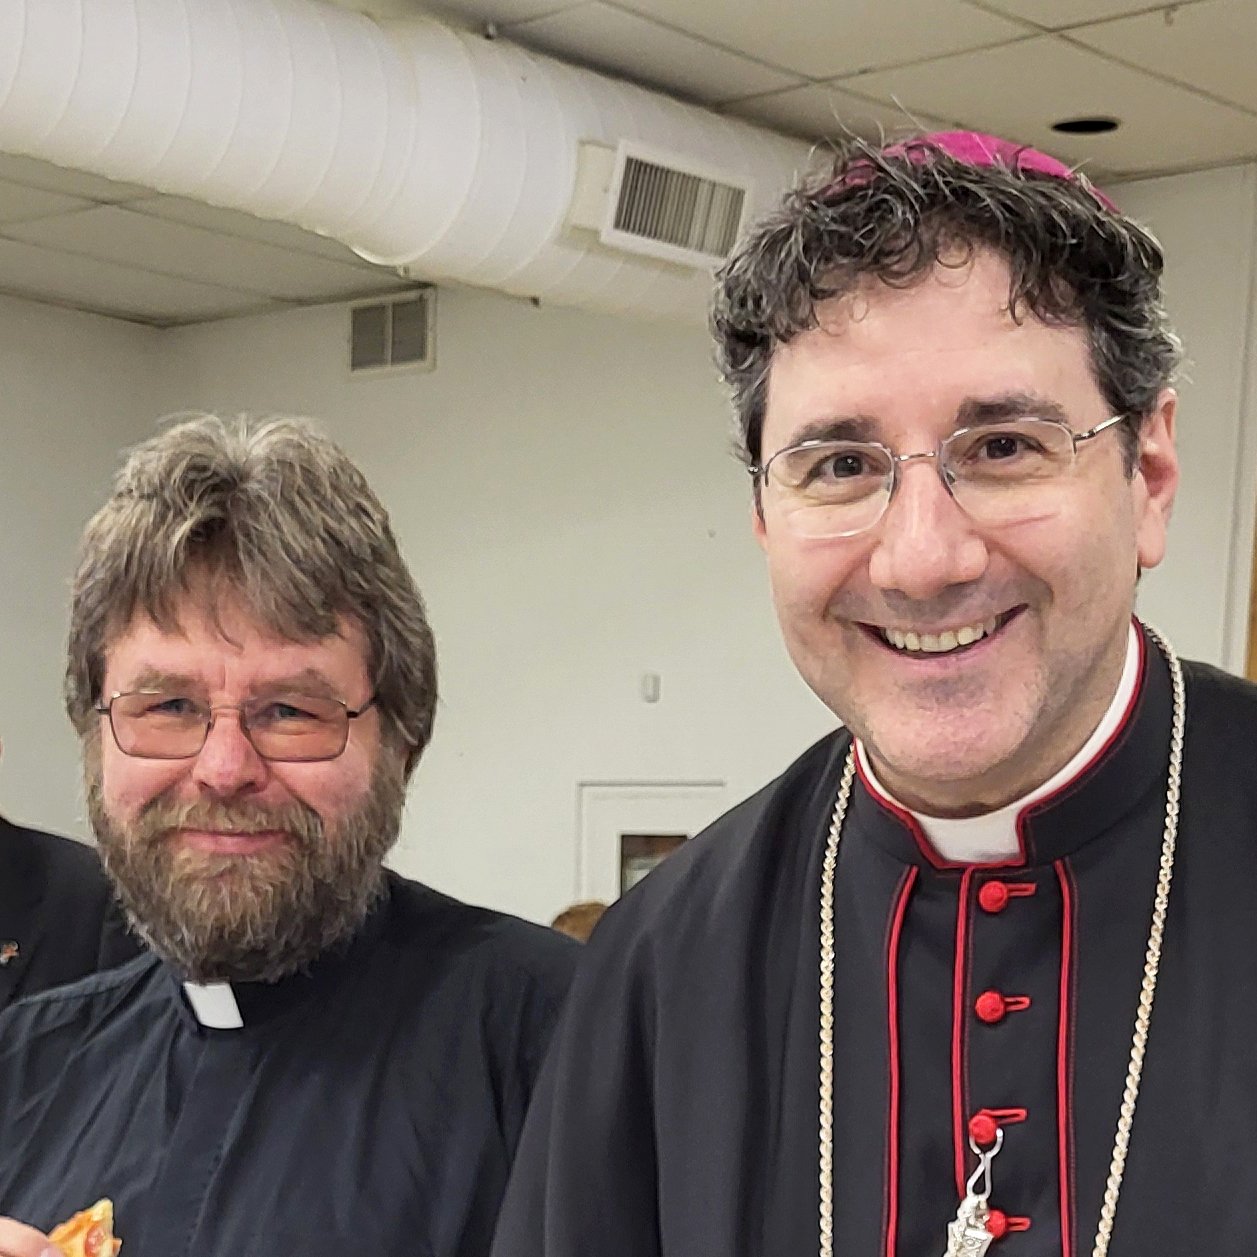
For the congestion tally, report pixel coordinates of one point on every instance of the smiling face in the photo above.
(967, 725)
(233, 866)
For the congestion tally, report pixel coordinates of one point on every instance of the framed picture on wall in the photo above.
(627, 828)
(640, 853)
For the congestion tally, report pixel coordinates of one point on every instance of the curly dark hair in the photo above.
(894, 213)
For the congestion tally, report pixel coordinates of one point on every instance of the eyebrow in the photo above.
(309, 682)
(150, 678)
(835, 428)
(973, 412)
(978, 411)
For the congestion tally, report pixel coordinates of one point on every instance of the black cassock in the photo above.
(678, 1111)
(58, 918)
(371, 1106)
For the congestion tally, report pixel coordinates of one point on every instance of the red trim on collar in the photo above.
(892, 1002)
(905, 818)
(926, 848)
(913, 826)
(1064, 1061)
(1040, 805)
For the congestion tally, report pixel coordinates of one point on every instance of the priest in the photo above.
(974, 974)
(318, 1056)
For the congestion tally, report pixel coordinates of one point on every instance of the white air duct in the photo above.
(437, 151)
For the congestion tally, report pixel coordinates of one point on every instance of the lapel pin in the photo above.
(9, 952)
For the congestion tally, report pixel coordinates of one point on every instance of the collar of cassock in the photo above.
(1124, 759)
(231, 1006)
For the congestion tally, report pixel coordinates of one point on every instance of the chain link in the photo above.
(827, 1009)
(1152, 956)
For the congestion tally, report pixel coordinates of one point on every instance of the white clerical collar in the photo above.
(992, 838)
(214, 1004)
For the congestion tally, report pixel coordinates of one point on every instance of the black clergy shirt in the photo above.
(371, 1106)
(678, 1112)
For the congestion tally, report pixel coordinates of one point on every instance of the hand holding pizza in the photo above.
(87, 1234)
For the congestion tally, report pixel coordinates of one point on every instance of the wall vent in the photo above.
(393, 335)
(641, 200)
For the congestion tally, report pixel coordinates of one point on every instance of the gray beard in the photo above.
(257, 918)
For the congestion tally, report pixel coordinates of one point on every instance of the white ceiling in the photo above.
(112, 248)
(1179, 78)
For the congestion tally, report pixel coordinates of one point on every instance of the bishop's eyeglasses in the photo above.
(998, 473)
(287, 728)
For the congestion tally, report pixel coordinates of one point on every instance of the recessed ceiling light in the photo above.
(1086, 126)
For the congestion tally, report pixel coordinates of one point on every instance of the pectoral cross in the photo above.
(968, 1236)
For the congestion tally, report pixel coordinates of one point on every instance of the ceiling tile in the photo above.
(105, 288)
(121, 235)
(33, 173)
(1020, 90)
(1209, 46)
(237, 223)
(608, 39)
(1055, 15)
(477, 12)
(821, 111)
(823, 39)
(19, 203)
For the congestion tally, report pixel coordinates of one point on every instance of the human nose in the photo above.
(925, 542)
(228, 764)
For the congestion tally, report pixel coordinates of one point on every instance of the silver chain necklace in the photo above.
(967, 1235)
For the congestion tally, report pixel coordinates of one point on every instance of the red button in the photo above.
(990, 1007)
(997, 1223)
(983, 1129)
(993, 896)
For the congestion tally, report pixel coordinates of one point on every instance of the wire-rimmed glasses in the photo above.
(288, 728)
(999, 473)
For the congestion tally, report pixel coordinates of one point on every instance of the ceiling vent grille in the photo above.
(642, 201)
(672, 207)
(393, 335)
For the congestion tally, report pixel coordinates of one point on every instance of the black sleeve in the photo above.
(584, 1176)
(535, 995)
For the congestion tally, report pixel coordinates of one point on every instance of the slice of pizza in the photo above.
(88, 1234)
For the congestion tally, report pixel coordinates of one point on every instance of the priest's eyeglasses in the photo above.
(287, 728)
(998, 473)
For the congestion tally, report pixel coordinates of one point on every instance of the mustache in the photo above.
(957, 605)
(218, 918)
(162, 815)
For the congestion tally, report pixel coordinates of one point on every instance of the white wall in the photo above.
(74, 388)
(563, 489)
(1206, 224)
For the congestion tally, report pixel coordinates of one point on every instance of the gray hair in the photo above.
(278, 514)
(894, 213)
